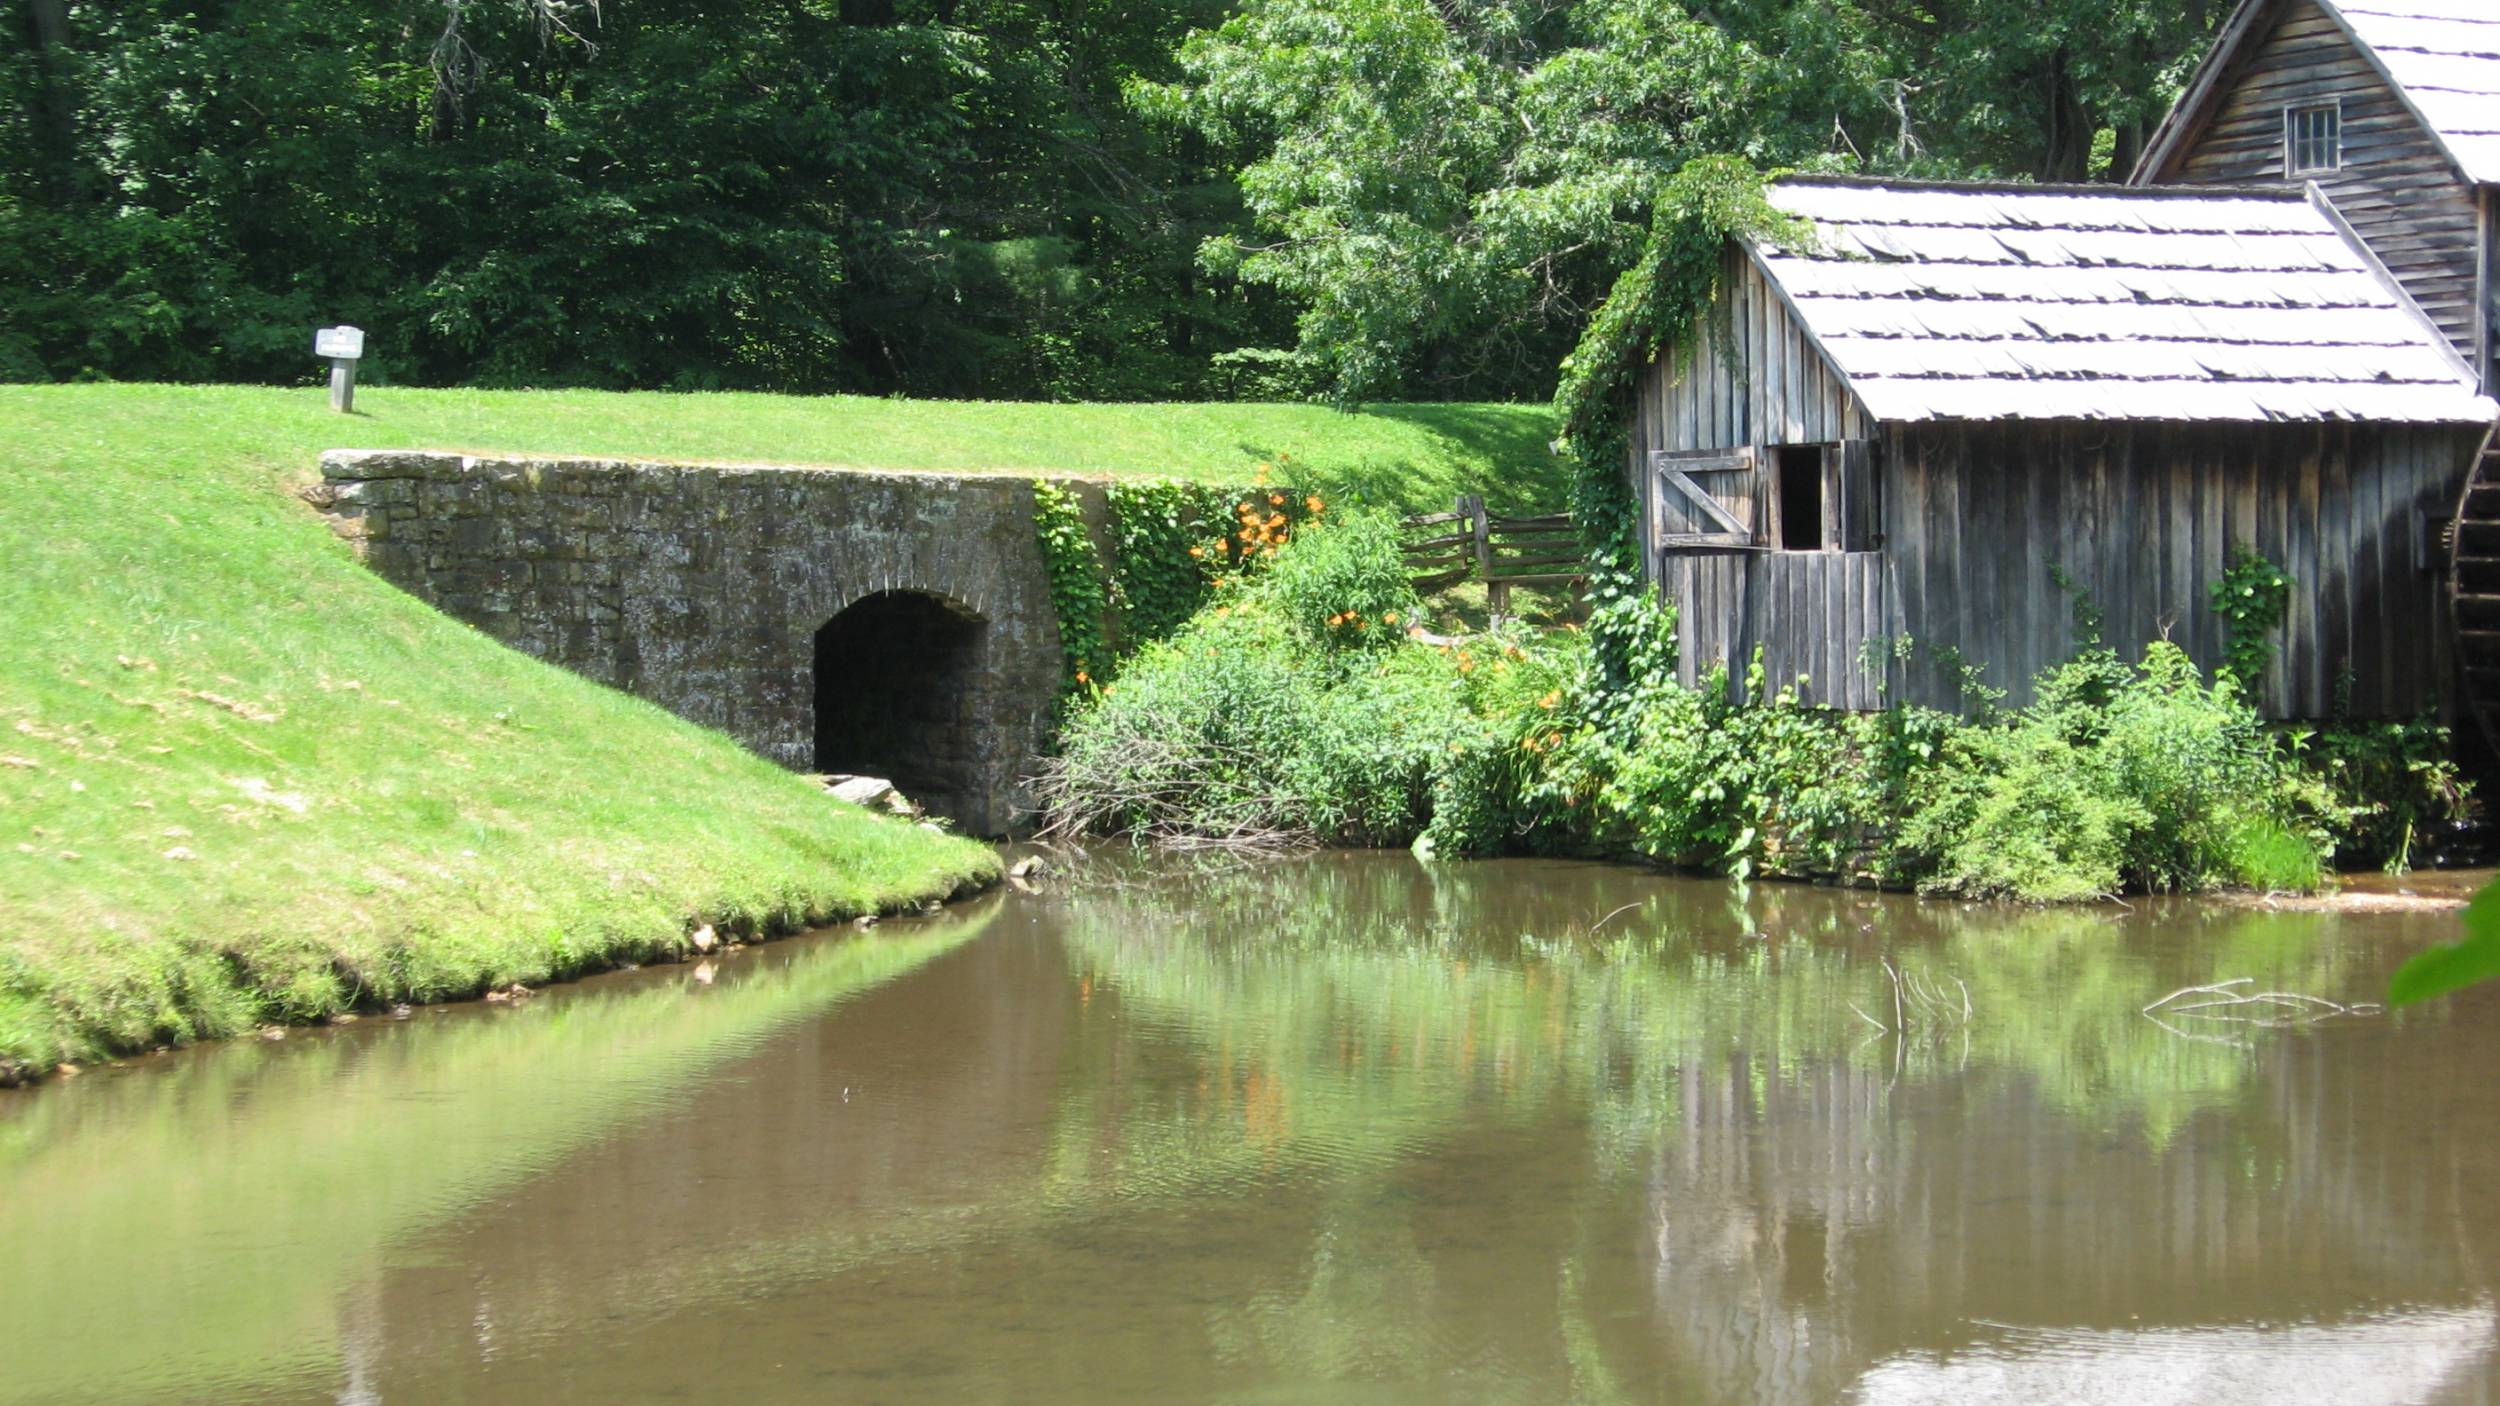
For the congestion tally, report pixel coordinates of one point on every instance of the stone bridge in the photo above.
(893, 624)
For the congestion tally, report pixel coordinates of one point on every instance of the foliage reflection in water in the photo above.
(1344, 1128)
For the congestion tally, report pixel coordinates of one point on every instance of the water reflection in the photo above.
(2390, 1360)
(1814, 1195)
(211, 1224)
(1344, 1129)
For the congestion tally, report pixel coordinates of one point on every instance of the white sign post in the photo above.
(343, 345)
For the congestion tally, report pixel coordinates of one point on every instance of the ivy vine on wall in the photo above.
(1076, 584)
(1654, 307)
(1162, 570)
(2253, 597)
(1172, 542)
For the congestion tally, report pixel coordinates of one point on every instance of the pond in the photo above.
(1337, 1129)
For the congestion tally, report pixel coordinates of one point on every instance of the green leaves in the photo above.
(2466, 962)
(1164, 559)
(2252, 598)
(1077, 594)
(1444, 189)
(1652, 310)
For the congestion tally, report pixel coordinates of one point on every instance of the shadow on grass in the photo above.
(1499, 451)
(1513, 442)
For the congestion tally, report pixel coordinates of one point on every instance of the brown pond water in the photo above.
(1346, 1129)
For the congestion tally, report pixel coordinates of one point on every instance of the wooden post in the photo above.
(1496, 595)
(343, 384)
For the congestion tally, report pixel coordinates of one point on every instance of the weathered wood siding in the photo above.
(1981, 520)
(2397, 186)
(2488, 367)
(1824, 617)
(1978, 522)
(1756, 379)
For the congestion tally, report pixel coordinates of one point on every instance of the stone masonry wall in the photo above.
(703, 588)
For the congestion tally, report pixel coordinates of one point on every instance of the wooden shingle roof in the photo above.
(1987, 302)
(2444, 56)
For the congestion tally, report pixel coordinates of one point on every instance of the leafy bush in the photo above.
(1298, 710)
(2117, 776)
(2389, 782)
(1494, 787)
(2014, 812)
(1161, 572)
(1344, 585)
(1241, 730)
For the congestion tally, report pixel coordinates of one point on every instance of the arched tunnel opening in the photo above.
(898, 680)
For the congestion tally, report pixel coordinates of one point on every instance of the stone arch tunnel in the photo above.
(901, 690)
(893, 624)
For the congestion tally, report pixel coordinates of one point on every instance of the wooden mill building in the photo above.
(1909, 447)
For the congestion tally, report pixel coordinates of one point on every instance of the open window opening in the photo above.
(1780, 498)
(1802, 476)
(897, 676)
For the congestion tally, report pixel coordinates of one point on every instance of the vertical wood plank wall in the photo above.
(2397, 189)
(2140, 516)
(1754, 378)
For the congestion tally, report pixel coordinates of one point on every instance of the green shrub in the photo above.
(2388, 782)
(1689, 777)
(2014, 812)
(1494, 787)
(1383, 729)
(1241, 730)
(1344, 584)
(2272, 857)
(1298, 710)
(2117, 776)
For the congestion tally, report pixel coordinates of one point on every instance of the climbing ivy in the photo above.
(1076, 584)
(1162, 567)
(2252, 598)
(1655, 306)
(1172, 542)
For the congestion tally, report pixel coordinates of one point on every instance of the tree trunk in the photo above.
(56, 107)
(2068, 152)
(2128, 150)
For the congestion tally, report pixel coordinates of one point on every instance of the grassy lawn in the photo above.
(242, 781)
(1408, 457)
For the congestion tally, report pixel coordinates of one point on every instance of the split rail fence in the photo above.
(1466, 544)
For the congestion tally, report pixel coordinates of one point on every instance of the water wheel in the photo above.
(2474, 591)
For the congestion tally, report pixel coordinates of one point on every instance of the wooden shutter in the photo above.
(1709, 499)
(1857, 511)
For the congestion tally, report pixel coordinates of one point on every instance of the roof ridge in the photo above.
(2111, 190)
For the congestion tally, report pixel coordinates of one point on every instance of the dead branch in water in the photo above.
(2225, 1003)
(1919, 1004)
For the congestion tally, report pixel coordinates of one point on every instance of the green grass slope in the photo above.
(242, 780)
(1408, 457)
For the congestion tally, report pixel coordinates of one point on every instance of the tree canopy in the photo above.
(1052, 199)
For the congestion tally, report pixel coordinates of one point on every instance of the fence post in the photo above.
(1496, 594)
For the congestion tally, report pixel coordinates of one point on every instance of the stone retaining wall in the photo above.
(703, 589)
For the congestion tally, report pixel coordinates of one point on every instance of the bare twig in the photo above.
(2227, 1004)
(1593, 927)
